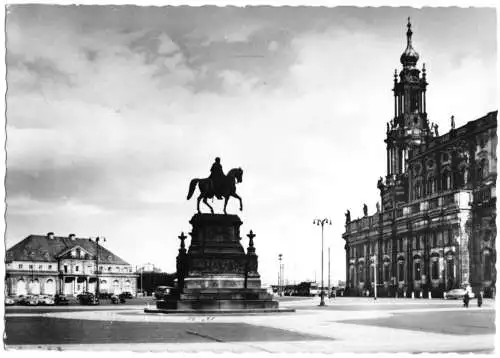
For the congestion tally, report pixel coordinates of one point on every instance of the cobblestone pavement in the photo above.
(345, 325)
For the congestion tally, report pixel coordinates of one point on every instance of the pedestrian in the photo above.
(466, 300)
(480, 299)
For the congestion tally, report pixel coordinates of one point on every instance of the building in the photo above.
(435, 229)
(48, 264)
(149, 277)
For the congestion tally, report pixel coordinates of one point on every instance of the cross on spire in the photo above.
(251, 235)
(182, 237)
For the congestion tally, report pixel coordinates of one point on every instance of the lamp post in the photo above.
(280, 276)
(96, 240)
(322, 223)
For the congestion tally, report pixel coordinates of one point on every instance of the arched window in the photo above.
(21, 287)
(418, 273)
(386, 273)
(401, 270)
(446, 180)
(435, 270)
(431, 184)
(464, 175)
(487, 266)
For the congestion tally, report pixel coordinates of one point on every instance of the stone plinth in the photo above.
(216, 273)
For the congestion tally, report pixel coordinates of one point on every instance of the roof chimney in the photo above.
(50, 235)
(71, 236)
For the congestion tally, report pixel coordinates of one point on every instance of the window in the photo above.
(446, 239)
(434, 239)
(77, 268)
(31, 267)
(435, 270)
(109, 268)
(431, 184)
(401, 271)
(450, 269)
(20, 266)
(65, 268)
(40, 267)
(50, 267)
(487, 267)
(386, 273)
(78, 253)
(446, 184)
(464, 175)
(418, 274)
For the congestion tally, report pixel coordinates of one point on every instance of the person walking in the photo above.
(466, 300)
(480, 299)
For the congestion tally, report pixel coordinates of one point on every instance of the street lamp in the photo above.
(280, 276)
(322, 223)
(96, 240)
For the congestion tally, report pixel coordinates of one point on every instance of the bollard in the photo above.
(413, 295)
(430, 295)
(421, 294)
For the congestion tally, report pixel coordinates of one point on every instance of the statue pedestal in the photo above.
(216, 274)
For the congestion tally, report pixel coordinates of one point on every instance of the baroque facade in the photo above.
(435, 229)
(48, 264)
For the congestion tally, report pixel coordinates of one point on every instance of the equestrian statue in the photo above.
(217, 185)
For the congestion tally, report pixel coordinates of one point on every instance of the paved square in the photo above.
(385, 325)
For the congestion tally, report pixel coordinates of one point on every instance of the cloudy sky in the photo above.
(112, 110)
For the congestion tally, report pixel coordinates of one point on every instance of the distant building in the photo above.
(48, 264)
(435, 229)
(148, 281)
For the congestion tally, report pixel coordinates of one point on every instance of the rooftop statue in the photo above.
(217, 184)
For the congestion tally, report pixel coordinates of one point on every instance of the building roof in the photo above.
(46, 249)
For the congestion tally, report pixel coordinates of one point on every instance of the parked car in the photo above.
(87, 298)
(61, 299)
(162, 291)
(47, 300)
(126, 295)
(29, 300)
(457, 294)
(10, 301)
(115, 299)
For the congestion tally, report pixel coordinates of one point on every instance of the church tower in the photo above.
(409, 128)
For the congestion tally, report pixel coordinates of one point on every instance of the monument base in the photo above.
(216, 275)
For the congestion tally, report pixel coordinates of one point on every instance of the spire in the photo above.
(409, 57)
(408, 33)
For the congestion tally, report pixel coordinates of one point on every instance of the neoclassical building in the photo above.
(48, 264)
(435, 229)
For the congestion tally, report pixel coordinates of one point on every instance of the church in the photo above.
(435, 230)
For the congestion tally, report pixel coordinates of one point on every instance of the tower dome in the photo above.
(409, 57)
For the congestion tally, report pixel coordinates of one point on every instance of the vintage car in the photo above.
(87, 298)
(46, 300)
(457, 294)
(61, 300)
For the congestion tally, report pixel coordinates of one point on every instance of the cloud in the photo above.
(114, 121)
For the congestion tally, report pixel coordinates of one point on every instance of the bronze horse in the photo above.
(227, 188)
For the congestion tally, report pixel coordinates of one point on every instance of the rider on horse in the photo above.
(217, 176)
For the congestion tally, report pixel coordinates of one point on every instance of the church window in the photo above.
(446, 177)
(386, 273)
(401, 271)
(418, 274)
(435, 270)
(487, 267)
